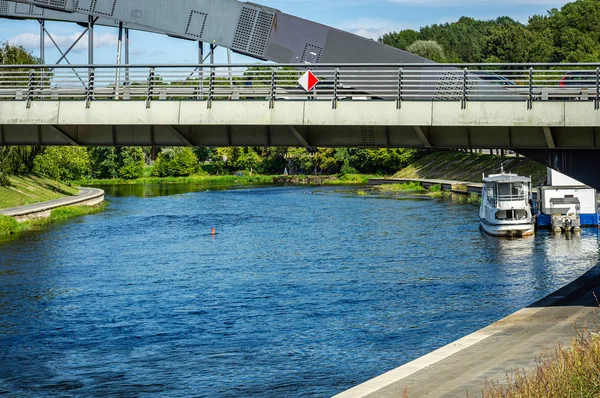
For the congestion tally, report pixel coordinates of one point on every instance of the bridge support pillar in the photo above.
(580, 164)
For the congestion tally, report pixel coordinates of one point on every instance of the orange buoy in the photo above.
(213, 232)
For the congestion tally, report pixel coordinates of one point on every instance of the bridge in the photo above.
(549, 112)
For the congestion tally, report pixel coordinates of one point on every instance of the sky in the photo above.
(369, 18)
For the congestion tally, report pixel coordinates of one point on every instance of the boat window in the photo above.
(511, 214)
(511, 191)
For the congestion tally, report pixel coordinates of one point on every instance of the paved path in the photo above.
(511, 343)
(84, 195)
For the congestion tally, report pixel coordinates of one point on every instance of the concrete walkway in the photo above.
(85, 197)
(512, 343)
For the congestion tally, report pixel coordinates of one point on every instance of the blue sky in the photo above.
(370, 18)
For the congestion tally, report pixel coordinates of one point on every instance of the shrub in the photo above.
(175, 162)
(63, 163)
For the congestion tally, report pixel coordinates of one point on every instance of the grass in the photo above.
(568, 372)
(193, 179)
(463, 166)
(346, 179)
(408, 187)
(10, 226)
(25, 190)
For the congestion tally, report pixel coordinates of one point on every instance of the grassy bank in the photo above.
(463, 166)
(435, 192)
(26, 190)
(349, 179)
(10, 226)
(567, 372)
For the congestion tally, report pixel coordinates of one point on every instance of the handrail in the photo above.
(529, 83)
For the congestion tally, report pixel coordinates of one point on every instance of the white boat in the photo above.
(506, 206)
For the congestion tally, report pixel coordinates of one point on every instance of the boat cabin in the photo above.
(509, 194)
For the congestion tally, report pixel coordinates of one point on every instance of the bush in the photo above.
(63, 163)
(348, 170)
(132, 163)
(428, 49)
(175, 162)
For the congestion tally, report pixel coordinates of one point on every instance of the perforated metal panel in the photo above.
(311, 54)
(84, 5)
(196, 24)
(252, 31)
(4, 6)
(106, 8)
(260, 35)
(243, 31)
(53, 3)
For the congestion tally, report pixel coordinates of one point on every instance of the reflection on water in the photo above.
(302, 292)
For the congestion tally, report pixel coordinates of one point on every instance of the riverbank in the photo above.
(464, 166)
(25, 190)
(10, 226)
(244, 179)
(507, 348)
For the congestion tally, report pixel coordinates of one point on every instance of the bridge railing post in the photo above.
(30, 87)
(463, 102)
(400, 83)
(150, 87)
(336, 82)
(89, 95)
(597, 105)
(211, 88)
(272, 90)
(530, 99)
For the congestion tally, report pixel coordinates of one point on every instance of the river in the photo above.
(303, 291)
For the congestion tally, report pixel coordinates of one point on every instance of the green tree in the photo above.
(175, 162)
(131, 162)
(401, 40)
(428, 49)
(63, 163)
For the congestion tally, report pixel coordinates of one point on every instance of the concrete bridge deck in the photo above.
(418, 124)
(513, 343)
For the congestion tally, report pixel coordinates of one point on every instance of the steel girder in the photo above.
(247, 28)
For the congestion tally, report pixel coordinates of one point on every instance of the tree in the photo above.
(63, 163)
(20, 159)
(401, 40)
(428, 49)
(131, 162)
(175, 162)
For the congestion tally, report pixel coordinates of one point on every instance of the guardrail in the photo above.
(279, 82)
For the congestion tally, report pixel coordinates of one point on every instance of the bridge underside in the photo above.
(549, 125)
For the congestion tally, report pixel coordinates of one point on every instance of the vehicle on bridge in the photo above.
(506, 206)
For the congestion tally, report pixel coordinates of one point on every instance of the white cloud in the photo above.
(31, 41)
(371, 28)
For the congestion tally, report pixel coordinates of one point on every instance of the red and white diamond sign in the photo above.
(308, 81)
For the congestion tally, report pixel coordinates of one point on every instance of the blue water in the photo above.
(302, 292)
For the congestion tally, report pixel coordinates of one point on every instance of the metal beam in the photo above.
(179, 136)
(549, 137)
(300, 137)
(422, 137)
(63, 134)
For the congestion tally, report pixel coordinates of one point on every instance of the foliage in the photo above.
(567, 372)
(16, 55)
(570, 34)
(9, 226)
(16, 160)
(175, 162)
(63, 163)
(428, 49)
(117, 162)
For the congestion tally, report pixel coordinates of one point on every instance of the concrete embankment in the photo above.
(447, 185)
(85, 197)
(511, 344)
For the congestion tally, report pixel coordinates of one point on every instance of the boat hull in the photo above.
(508, 230)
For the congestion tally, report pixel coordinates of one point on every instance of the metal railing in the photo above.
(279, 82)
